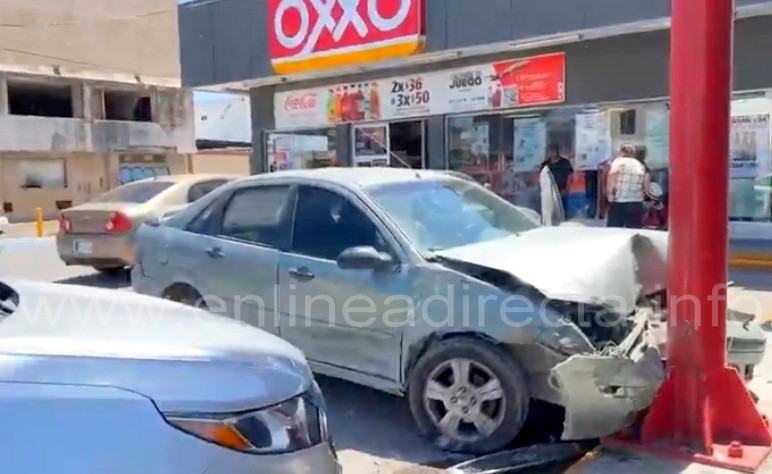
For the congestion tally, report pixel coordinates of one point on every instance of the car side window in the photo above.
(203, 223)
(259, 215)
(327, 223)
(199, 190)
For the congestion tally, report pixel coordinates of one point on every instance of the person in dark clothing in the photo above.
(561, 170)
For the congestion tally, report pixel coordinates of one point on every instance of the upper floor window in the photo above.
(127, 105)
(39, 99)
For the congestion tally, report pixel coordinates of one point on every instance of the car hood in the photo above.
(611, 267)
(183, 358)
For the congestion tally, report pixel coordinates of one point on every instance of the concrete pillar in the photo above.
(343, 145)
(261, 105)
(436, 144)
(79, 105)
(87, 99)
(3, 95)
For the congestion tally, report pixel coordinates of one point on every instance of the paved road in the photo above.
(373, 431)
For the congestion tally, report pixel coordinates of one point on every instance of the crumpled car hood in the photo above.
(611, 267)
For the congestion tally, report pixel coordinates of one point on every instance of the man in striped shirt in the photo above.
(628, 183)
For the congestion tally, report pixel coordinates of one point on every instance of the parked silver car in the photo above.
(95, 380)
(423, 284)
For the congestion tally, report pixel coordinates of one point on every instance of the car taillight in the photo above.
(119, 222)
(65, 223)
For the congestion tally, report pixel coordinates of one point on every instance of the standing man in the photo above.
(561, 169)
(628, 183)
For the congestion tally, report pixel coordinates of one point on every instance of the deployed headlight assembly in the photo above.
(292, 425)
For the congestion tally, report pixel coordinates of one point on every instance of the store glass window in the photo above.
(507, 151)
(301, 149)
(476, 146)
(750, 173)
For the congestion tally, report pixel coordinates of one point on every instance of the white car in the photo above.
(108, 381)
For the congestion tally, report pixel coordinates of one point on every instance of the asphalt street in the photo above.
(373, 432)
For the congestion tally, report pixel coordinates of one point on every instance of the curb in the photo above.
(750, 260)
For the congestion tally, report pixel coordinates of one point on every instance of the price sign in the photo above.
(409, 93)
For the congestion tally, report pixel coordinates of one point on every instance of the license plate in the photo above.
(84, 247)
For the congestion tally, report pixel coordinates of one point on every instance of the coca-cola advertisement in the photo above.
(509, 84)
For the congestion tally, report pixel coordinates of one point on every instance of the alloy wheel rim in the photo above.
(465, 400)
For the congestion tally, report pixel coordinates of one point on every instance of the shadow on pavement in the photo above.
(101, 280)
(379, 424)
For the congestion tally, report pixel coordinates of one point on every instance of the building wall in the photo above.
(225, 41)
(99, 39)
(623, 68)
(221, 161)
(87, 175)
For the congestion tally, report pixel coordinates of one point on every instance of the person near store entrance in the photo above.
(561, 169)
(628, 183)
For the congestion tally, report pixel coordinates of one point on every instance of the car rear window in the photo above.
(137, 192)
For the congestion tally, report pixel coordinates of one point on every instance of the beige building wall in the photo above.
(221, 161)
(85, 176)
(110, 40)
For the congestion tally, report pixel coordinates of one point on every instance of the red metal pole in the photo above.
(703, 408)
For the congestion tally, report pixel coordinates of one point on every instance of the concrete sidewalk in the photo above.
(27, 229)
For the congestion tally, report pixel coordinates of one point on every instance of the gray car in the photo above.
(96, 380)
(430, 286)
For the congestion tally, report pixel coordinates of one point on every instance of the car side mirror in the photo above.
(364, 258)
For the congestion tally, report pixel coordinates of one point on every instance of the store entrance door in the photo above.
(396, 145)
(408, 147)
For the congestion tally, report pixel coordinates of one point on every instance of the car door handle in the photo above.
(215, 252)
(302, 274)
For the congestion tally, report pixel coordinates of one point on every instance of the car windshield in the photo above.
(437, 214)
(138, 192)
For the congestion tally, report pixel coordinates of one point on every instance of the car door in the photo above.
(552, 212)
(237, 253)
(339, 317)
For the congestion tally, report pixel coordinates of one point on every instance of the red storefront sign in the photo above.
(536, 80)
(307, 35)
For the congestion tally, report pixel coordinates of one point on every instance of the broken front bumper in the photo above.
(602, 393)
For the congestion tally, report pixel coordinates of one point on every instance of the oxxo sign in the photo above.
(307, 35)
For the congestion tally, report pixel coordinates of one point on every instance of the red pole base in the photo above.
(735, 435)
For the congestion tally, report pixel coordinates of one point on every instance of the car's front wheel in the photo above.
(468, 396)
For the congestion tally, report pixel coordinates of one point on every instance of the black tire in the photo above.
(501, 364)
(186, 295)
(110, 271)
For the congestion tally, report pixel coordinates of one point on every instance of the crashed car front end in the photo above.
(600, 348)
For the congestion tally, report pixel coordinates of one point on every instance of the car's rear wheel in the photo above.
(468, 395)
(110, 271)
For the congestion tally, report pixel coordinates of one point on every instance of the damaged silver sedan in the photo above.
(430, 286)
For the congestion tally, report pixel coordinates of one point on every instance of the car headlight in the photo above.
(290, 426)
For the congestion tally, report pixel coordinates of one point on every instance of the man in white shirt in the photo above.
(628, 183)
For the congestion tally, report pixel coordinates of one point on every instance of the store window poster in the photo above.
(593, 140)
(657, 139)
(749, 147)
(530, 144)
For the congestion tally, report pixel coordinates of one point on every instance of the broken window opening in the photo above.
(127, 106)
(42, 100)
